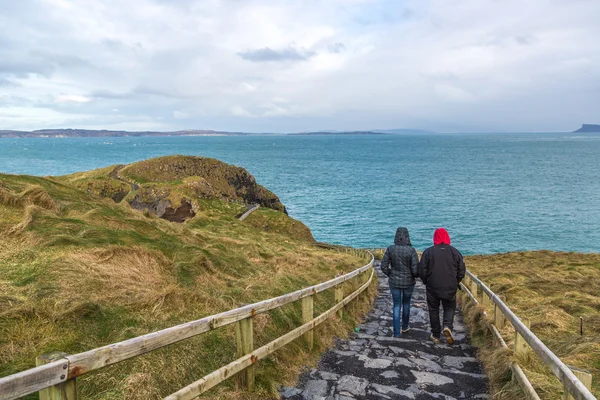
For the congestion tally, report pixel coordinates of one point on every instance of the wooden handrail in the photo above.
(564, 374)
(35, 379)
(209, 381)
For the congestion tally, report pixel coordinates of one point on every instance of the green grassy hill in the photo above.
(81, 268)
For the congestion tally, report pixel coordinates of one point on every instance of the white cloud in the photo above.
(339, 64)
(240, 111)
(72, 98)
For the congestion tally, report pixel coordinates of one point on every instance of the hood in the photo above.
(402, 237)
(441, 236)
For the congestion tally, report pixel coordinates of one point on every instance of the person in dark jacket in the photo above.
(400, 263)
(441, 269)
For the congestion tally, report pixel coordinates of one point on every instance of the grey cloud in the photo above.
(524, 39)
(107, 94)
(267, 54)
(336, 47)
(5, 82)
(60, 59)
(24, 68)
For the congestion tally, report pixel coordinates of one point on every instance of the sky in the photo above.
(292, 66)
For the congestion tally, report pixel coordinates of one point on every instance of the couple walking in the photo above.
(441, 269)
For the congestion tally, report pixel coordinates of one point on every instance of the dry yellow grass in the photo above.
(553, 290)
(78, 272)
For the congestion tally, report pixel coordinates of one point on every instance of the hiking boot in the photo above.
(434, 339)
(448, 334)
(405, 330)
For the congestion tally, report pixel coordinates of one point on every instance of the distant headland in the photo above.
(83, 133)
(588, 128)
(74, 133)
(337, 133)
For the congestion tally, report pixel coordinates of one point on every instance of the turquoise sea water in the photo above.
(493, 192)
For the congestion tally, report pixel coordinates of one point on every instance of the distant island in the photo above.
(74, 133)
(588, 128)
(337, 133)
(83, 133)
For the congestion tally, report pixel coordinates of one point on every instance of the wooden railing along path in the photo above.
(577, 383)
(56, 374)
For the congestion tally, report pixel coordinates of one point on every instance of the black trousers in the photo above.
(448, 301)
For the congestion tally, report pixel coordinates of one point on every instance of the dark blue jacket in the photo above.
(400, 261)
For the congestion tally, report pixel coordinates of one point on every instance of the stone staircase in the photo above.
(373, 365)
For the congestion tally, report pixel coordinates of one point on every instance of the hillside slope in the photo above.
(174, 183)
(79, 270)
(553, 290)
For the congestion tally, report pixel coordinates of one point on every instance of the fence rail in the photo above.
(55, 377)
(478, 292)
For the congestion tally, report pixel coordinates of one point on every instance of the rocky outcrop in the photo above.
(172, 187)
(588, 128)
(203, 178)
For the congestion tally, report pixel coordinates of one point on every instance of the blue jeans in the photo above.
(401, 297)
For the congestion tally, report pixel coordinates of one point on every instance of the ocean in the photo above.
(493, 192)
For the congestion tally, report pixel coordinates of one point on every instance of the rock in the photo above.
(426, 364)
(430, 378)
(389, 374)
(375, 362)
(457, 362)
(287, 392)
(315, 390)
(353, 385)
(392, 390)
(329, 376)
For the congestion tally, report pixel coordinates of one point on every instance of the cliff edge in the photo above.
(588, 128)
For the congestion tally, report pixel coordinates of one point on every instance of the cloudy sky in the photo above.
(288, 66)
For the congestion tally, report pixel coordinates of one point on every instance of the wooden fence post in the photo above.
(520, 345)
(63, 391)
(244, 336)
(487, 301)
(474, 288)
(339, 296)
(499, 319)
(307, 315)
(584, 376)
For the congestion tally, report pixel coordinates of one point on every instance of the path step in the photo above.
(373, 365)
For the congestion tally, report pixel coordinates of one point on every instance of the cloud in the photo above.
(72, 98)
(340, 64)
(267, 54)
(240, 111)
(336, 47)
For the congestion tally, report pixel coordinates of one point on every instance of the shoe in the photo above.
(405, 330)
(448, 334)
(434, 339)
(397, 336)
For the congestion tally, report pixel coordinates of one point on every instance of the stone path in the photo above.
(373, 365)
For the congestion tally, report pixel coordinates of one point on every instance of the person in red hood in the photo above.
(441, 269)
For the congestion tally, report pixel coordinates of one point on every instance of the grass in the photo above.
(174, 179)
(78, 271)
(553, 290)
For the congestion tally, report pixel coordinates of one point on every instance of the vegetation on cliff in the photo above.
(172, 187)
(80, 268)
(553, 290)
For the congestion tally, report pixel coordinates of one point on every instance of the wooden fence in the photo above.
(577, 383)
(56, 374)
